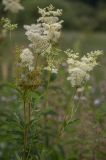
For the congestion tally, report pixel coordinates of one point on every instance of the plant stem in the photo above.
(47, 90)
(27, 119)
(36, 63)
(69, 114)
(25, 130)
(45, 106)
(29, 113)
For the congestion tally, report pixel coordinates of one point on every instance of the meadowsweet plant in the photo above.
(79, 69)
(13, 6)
(43, 37)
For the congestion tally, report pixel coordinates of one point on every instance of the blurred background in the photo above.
(84, 29)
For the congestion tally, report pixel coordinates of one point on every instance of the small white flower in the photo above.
(97, 102)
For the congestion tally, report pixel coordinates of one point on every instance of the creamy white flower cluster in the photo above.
(79, 68)
(12, 5)
(27, 59)
(45, 33)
